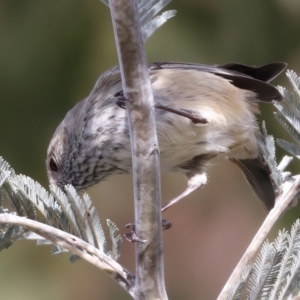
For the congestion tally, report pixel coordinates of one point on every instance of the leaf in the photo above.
(238, 288)
(115, 239)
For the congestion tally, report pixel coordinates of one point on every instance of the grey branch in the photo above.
(148, 9)
(289, 191)
(76, 246)
(146, 170)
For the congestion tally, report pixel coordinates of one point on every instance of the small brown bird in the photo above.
(201, 112)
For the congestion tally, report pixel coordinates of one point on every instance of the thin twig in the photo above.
(290, 189)
(76, 246)
(146, 170)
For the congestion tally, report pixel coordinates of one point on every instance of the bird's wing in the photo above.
(245, 77)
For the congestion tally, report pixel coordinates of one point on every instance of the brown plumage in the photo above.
(201, 112)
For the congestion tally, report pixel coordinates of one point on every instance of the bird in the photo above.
(201, 112)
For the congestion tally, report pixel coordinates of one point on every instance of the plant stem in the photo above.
(145, 153)
(290, 189)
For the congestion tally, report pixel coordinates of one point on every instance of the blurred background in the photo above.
(51, 54)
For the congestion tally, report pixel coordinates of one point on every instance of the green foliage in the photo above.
(275, 273)
(66, 211)
(288, 114)
(116, 239)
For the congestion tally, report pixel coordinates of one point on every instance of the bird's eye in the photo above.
(53, 165)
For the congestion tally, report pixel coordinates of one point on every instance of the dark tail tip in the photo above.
(258, 176)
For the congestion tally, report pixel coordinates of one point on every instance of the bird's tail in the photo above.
(258, 175)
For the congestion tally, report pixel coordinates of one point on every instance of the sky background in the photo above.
(51, 54)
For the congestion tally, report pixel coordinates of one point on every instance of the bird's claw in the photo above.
(132, 237)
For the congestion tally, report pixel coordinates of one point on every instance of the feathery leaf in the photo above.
(115, 239)
(147, 11)
(238, 289)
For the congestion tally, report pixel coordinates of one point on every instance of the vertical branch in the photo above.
(145, 153)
